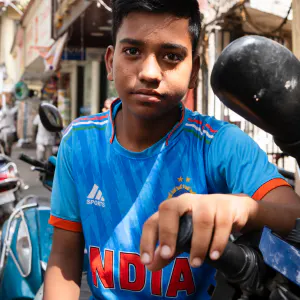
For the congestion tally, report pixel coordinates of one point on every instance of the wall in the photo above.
(7, 35)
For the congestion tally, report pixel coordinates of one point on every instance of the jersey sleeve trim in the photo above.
(65, 224)
(268, 187)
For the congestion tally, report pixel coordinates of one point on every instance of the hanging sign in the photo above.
(66, 14)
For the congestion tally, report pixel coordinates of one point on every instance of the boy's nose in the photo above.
(150, 70)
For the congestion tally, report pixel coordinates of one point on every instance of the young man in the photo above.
(125, 177)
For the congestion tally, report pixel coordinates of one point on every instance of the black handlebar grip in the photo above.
(31, 161)
(185, 233)
(233, 263)
(233, 260)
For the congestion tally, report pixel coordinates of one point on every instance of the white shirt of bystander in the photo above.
(44, 137)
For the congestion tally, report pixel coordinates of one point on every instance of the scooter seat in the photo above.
(40, 200)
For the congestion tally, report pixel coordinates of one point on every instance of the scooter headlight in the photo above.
(24, 248)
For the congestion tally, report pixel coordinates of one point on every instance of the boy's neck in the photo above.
(136, 134)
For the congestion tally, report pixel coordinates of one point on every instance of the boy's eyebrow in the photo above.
(132, 42)
(172, 46)
(167, 46)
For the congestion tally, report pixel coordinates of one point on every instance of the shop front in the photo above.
(88, 27)
(36, 57)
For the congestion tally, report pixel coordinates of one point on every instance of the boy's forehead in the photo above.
(152, 27)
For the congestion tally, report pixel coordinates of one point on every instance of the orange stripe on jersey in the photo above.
(65, 224)
(195, 121)
(211, 130)
(268, 187)
(112, 119)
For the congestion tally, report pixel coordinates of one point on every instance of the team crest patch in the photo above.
(182, 187)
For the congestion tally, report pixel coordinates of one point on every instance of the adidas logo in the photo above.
(95, 197)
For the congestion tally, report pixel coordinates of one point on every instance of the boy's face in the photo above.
(152, 63)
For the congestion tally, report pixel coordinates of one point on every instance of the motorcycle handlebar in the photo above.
(234, 261)
(31, 161)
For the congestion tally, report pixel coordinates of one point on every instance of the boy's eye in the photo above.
(132, 51)
(172, 57)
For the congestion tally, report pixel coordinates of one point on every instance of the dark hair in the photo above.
(187, 9)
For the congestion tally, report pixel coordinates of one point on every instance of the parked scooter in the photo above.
(27, 236)
(26, 240)
(11, 186)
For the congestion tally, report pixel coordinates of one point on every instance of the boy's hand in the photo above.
(214, 218)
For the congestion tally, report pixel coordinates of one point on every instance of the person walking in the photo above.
(45, 140)
(7, 122)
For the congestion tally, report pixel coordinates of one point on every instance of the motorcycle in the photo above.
(248, 78)
(259, 265)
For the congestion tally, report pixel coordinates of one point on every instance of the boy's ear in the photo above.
(109, 58)
(195, 72)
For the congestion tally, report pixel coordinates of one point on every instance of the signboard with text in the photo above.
(38, 31)
(66, 13)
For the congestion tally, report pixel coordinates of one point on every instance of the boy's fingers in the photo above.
(203, 226)
(169, 214)
(158, 262)
(149, 239)
(223, 227)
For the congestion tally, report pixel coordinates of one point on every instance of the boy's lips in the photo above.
(147, 95)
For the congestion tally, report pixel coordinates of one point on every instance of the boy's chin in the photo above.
(149, 112)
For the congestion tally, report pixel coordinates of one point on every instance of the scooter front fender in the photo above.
(13, 285)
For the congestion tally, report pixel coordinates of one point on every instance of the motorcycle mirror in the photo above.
(50, 117)
(260, 80)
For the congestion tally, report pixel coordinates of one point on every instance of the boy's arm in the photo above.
(235, 166)
(63, 275)
(64, 269)
(277, 210)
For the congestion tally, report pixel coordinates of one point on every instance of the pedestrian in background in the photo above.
(45, 140)
(7, 122)
(107, 104)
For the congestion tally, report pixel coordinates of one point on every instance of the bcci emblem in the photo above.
(182, 188)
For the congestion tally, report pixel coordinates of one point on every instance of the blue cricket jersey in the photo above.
(108, 192)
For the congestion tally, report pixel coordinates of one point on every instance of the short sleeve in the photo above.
(236, 164)
(64, 201)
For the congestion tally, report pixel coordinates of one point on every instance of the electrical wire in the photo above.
(9, 3)
(105, 5)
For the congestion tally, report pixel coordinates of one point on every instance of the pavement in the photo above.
(36, 188)
(29, 177)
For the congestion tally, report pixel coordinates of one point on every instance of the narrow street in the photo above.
(30, 178)
(35, 187)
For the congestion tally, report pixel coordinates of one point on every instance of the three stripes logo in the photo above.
(95, 197)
